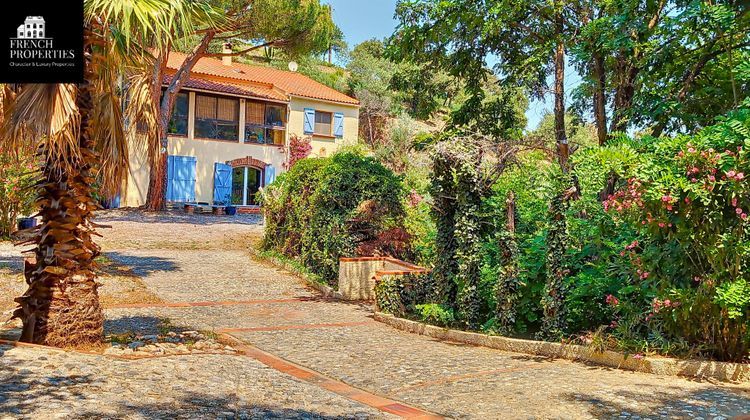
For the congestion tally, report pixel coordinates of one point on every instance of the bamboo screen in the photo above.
(205, 107)
(255, 113)
(227, 109)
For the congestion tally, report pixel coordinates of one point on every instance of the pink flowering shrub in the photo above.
(299, 148)
(689, 199)
(17, 195)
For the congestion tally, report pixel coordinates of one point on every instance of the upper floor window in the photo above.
(323, 123)
(217, 117)
(179, 123)
(265, 123)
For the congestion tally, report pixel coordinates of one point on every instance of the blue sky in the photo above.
(361, 20)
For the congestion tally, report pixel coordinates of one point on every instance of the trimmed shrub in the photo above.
(323, 209)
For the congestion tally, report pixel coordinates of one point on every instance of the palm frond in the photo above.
(48, 114)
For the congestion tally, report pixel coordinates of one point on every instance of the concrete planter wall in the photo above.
(733, 372)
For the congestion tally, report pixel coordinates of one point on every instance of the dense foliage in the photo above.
(660, 266)
(688, 198)
(17, 193)
(346, 205)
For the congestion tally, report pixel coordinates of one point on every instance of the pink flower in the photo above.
(661, 224)
(731, 174)
(612, 301)
(734, 202)
(738, 210)
(740, 176)
(691, 150)
(638, 356)
(744, 216)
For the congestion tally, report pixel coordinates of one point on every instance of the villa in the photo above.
(230, 131)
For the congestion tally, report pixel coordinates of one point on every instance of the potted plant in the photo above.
(229, 209)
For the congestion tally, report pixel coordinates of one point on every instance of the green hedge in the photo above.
(323, 209)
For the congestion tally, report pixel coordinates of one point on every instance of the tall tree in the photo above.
(666, 65)
(78, 132)
(297, 26)
(524, 40)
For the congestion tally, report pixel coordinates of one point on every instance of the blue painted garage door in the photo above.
(181, 178)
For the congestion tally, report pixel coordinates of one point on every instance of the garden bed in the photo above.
(703, 369)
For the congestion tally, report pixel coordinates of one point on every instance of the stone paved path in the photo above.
(337, 348)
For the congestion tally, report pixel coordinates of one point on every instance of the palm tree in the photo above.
(80, 136)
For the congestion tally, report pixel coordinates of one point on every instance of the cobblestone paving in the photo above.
(42, 384)
(200, 259)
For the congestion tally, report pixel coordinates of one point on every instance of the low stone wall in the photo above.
(357, 276)
(732, 372)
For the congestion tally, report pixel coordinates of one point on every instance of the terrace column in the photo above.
(191, 115)
(242, 120)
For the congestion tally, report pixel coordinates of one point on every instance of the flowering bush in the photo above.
(689, 198)
(299, 148)
(17, 195)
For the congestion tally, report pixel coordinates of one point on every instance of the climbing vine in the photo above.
(554, 322)
(508, 286)
(442, 189)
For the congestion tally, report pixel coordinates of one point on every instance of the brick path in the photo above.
(308, 357)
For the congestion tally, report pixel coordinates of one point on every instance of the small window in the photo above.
(217, 117)
(323, 123)
(179, 123)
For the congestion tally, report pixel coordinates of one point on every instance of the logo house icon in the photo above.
(32, 28)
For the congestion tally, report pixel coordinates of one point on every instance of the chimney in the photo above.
(227, 59)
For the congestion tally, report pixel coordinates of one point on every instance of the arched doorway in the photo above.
(246, 181)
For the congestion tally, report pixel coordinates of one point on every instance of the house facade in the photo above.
(231, 127)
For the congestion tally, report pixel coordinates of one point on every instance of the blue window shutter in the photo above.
(181, 178)
(270, 175)
(170, 179)
(309, 121)
(222, 184)
(338, 124)
(190, 182)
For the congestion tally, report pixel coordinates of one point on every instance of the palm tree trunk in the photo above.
(61, 306)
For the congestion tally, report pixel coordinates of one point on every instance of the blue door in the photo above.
(181, 178)
(222, 184)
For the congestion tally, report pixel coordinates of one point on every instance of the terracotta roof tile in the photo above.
(242, 89)
(292, 83)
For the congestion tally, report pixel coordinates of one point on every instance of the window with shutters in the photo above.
(323, 123)
(217, 117)
(265, 123)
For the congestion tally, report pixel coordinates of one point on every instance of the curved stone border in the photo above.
(732, 372)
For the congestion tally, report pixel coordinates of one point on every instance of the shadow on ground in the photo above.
(27, 395)
(141, 265)
(143, 325)
(666, 402)
(14, 264)
(176, 216)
